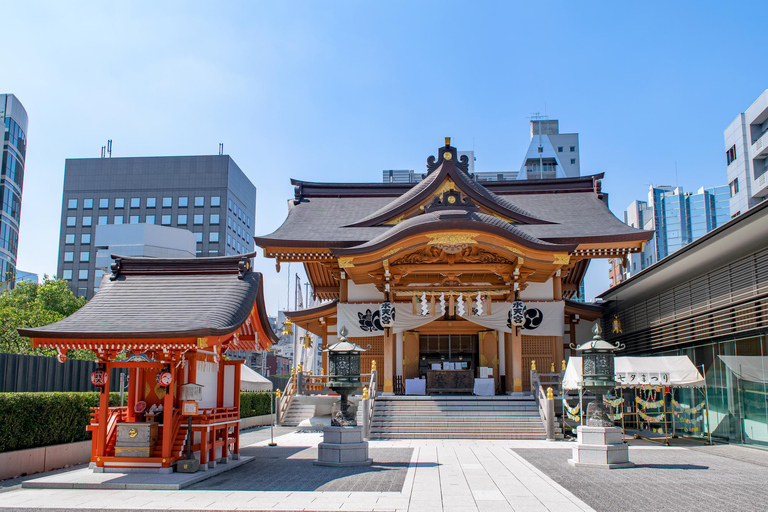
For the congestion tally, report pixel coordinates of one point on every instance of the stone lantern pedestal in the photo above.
(343, 446)
(600, 447)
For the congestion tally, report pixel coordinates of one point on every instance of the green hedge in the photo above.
(254, 404)
(29, 420)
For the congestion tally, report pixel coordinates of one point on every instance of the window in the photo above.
(573, 149)
(216, 201)
(152, 202)
(103, 220)
(69, 256)
(167, 202)
(71, 221)
(135, 202)
(134, 219)
(229, 240)
(213, 237)
(69, 239)
(733, 187)
(214, 252)
(150, 219)
(214, 218)
(559, 149)
(234, 208)
(541, 149)
(166, 220)
(183, 202)
(199, 237)
(120, 202)
(67, 274)
(730, 155)
(85, 256)
(85, 238)
(87, 221)
(249, 222)
(229, 222)
(103, 203)
(98, 274)
(573, 160)
(198, 252)
(88, 204)
(72, 204)
(199, 201)
(198, 219)
(230, 204)
(83, 275)
(182, 220)
(118, 219)
(240, 214)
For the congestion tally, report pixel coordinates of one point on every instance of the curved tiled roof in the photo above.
(167, 298)
(455, 220)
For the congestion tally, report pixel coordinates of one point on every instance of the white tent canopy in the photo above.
(252, 381)
(635, 372)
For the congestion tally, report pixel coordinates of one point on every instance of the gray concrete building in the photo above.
(550, 154)
(207, 195)
(14, 121)
(746, 156)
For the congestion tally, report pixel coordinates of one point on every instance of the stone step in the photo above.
(453, 435)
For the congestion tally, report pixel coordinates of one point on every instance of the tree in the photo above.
(35, 305)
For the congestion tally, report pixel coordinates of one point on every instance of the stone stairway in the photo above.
(298, 410)
(462, 417)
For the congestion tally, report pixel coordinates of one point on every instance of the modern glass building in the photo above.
(13, 118)
(677, 217)
(208, 195)
(707, 301)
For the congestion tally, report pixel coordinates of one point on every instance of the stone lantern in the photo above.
(343, 441)
(599, 443)
(597, 356)
(344, 378)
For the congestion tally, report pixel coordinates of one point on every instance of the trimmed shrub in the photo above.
(254, 403)
(29, 420)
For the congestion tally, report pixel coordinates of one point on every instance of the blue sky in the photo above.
(338, 91)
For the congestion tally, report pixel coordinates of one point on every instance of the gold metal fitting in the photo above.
(564, 365)
(550, 395)
(373, 365)
(365, 393)
(552, 367)
(533, 365)
(447, 141)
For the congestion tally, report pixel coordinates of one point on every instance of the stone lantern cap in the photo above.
(597, 342)
(345, 346)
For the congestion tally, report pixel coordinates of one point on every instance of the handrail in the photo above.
(285, 400)
(370, 403)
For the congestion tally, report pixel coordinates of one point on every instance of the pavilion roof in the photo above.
(155, 298)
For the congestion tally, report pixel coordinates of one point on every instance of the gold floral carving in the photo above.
(562, 259)
(452, 239)
(447, 186)
(346, 262)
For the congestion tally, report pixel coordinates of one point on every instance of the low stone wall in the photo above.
(45, 458)
(255, 421)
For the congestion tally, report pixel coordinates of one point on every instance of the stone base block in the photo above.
(343, 446)
(187, 466)
(343, 435)
(600, 447)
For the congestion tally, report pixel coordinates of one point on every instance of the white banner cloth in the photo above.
(635, 372)
(541, 318)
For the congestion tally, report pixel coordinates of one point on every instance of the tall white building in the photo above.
(550, 154)
(746, 156)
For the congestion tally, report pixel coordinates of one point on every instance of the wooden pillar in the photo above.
(238, 371)
(489, 353)
(220, 385)
(324, 353)
(557, 351)
(133, 378)
(343, 287)
(557, 286)
(410, 355)
(204, 446)
(168, 417)
(389, 362)
(508, 373)
(517, 360)
(101, 444)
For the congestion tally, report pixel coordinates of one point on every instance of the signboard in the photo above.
(642, 378)
(189, 408)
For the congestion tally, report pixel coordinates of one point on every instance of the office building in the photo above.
(550, 154)
(706, 301)
(207, 195)
(746, 156)
(13, 118)
(677, 218)
(28, 277)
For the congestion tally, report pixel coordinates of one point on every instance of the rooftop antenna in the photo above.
(103, 151)
(221, 148)
(109, 148)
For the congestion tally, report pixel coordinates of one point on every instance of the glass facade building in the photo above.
(13, 118)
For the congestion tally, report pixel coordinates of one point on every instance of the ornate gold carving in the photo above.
(562, 258)
(346, 262)
(202, 342)
(513, 249)
(392, 251)
(447, 155)
(445, 187)
(452, 243)
(451, 199)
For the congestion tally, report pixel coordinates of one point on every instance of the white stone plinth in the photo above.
(600, 447)
(343, 446)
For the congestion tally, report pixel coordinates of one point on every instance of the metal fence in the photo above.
(279, 382)
(25, 373)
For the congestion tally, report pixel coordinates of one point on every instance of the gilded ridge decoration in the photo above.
(451, 239)
(562, 259)
(346, 262)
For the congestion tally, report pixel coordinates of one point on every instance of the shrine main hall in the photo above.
(429, 276)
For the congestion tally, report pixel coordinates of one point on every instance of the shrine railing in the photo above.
(369, 404)
(285, 400)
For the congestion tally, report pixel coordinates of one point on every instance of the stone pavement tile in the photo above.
(494, 506)
(494, 495)
(464, 508)
(528, 505)
(425, 506)
(391, 503)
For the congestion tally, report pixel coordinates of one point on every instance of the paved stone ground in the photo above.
(290, 468)
(715, 478)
